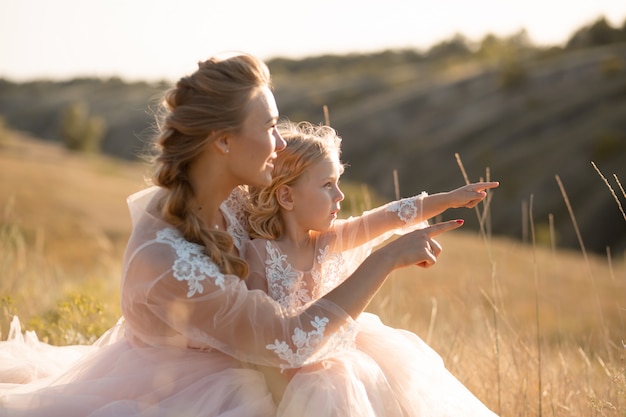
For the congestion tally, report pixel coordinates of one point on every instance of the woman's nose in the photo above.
(280, 142)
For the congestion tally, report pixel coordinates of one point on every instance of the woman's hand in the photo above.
(419, 247)
(414, 248)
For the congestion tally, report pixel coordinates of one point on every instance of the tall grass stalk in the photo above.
(584, 251)
(619, 184)
(552, 233)
(431, 323)
(494, 286)
(537, 291)
(619, 204)
(477, 209)
(326, 115)
(524, 222)
(609, 260)
(396, 184)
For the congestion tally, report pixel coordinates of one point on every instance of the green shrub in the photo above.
(78, 319)
(79, 130)
(513, 75)
(612, 66)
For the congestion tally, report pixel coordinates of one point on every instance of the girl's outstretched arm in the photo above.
(378, 224)
(467, 196)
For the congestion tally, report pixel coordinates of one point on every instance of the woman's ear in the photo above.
(221, 142)
(284, 197)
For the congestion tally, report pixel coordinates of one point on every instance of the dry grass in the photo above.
(508, 318)
(580, 359)
(63, 227)
(531, 330)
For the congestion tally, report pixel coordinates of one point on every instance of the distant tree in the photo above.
(79, 130)
(458, 46)
(514, 47)
(509, 55)
(597, 34)
(490, 47)
(520, 41)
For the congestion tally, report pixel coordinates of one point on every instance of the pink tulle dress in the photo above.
(191, 341)
(378, 371)
(194, 341)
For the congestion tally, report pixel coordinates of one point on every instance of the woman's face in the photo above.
(253, 149)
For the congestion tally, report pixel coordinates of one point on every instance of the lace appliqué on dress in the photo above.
(333, 269)
(191, 264)
(305, 342)
(313, 346)
(286, 286)
(407, 208)
(283, 282)
(233, 208)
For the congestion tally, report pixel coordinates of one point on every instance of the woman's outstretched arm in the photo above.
(415, 248)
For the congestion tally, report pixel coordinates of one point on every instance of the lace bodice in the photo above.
(173, 295)
(233, 210)
(293, 288)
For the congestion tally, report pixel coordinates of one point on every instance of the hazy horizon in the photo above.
(160, 40)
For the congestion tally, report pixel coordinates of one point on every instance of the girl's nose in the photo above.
(340, 194)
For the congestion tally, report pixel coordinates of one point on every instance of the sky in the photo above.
(164, 39)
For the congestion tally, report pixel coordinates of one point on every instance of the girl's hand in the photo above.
(470, 195)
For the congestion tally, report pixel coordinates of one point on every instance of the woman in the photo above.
(193, 334)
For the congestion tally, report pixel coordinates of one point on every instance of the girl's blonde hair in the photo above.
(306, 145)
(210, 100)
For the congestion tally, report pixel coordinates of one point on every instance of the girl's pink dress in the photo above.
(189, 343)
(382, 371)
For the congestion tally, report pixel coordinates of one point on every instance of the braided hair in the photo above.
(198, 107)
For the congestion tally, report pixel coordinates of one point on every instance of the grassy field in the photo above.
(531, 330)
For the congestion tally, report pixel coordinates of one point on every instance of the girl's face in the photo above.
(316, 194)
(253, 148)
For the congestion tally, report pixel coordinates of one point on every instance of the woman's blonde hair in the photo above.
(306, 145)
(210, 100)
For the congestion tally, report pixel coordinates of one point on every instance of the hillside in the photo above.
(525, 120)
(571, 110)
(72, 206)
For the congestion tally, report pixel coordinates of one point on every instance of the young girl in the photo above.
(300, 252)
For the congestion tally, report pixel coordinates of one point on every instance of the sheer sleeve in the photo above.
(342, 249)
(174, 295)
(255, 256)
(376, 225)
